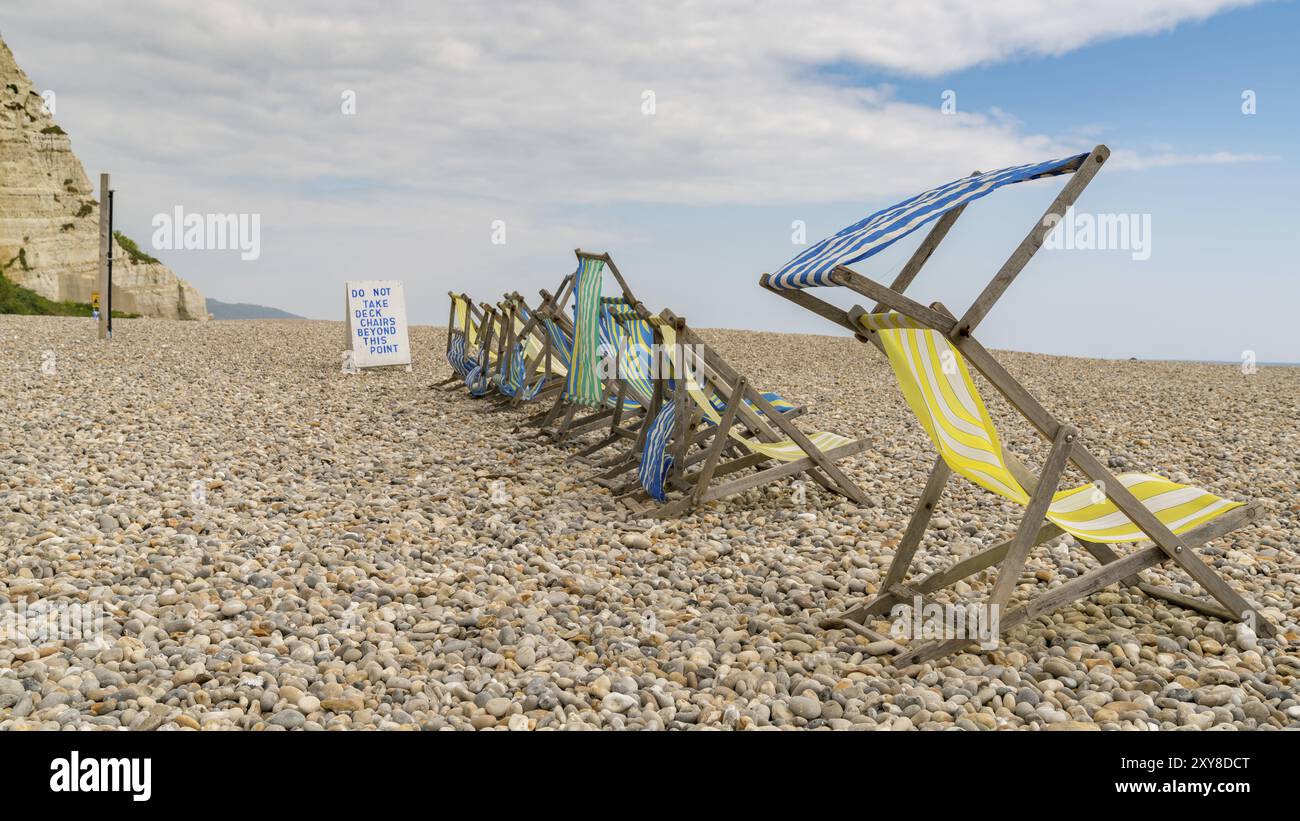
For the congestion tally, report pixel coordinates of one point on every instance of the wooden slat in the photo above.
(805, 300)
(719, 440)
(892, 299)
(1035, 515)
(1020, 257)
(921, 515)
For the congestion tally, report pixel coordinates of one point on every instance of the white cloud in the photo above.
(1132, 160)
(537, 103)
(469, 112)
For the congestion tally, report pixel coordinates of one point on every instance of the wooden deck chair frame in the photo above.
(1066, 447)
(536, 368)
(550, 309)
(473, 319)
(488, 337)
(542, 365)
(717, 455)
(563, 422)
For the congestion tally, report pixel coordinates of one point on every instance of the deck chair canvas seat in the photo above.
(531, 368)
(462, 337)
(932, 353)
(483, 365)
(556, 355)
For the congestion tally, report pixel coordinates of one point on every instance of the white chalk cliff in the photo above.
(49, 218)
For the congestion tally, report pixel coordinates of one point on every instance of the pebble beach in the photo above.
(271, 543)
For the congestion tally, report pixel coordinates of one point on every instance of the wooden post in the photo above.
(105, 248)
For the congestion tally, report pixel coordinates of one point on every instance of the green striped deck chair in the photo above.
(932, 354)
(584, 386)
(595, 383)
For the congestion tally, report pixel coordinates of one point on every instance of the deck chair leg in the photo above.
(1054, 599)
(554, 413)
(1105, 555)
(1017, 550)
(588, 423)
(823, 480)
(911, 540)
(719, 440)
(566, 420)
(1189, 602)
(1035, 515)
(612, 472)
(593, 448)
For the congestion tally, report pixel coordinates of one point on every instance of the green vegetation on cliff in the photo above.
(15, 299)
(132, 250)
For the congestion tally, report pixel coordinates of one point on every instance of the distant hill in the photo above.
(244, 310)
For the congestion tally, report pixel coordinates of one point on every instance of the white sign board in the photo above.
(377, 323)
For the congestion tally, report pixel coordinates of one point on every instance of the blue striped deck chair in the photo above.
(509, 378)
(627, 343)
(934, 355)
(482, 366)
(776, 400)
(749, 426)
(462, 334)
(530, 363)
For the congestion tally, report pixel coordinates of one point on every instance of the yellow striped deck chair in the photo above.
(782, 450)
(938, 387)
(932, 353)
(678, 427)
(456, 335)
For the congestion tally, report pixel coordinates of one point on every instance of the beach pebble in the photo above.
(274, 544)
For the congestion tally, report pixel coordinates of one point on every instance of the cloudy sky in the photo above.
(764, 113)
